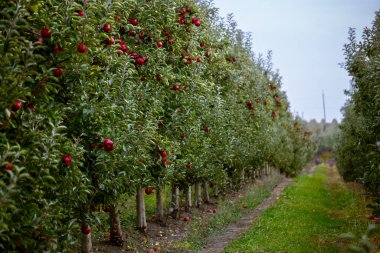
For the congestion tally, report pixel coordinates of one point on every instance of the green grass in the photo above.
(230, 210)
(309, 217)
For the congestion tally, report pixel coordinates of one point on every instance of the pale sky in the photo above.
(307, 38)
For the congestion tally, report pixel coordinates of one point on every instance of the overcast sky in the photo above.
(307, 38)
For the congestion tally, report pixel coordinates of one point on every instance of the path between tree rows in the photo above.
(234, 231)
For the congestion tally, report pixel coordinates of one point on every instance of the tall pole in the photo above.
(324, 111)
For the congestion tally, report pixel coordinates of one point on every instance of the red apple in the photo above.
(110, 41)
(67, 159)
(132, 33)
(81, 48)
(9, 167)
(119, 53)
(187, 218)
(199, 59)
(58, 72)
(141, 36)
(45, 32)
(31, 107)
(175, 87)
(163, 153)
(274, 114)
(159, 44)
(157, 249)
(197, 23)
(207, 54)
(133, 21)
(206, 129)
(107, 234)
(108, 145)
(181, 12)
(188, 9)
(140, 61)
(149, 251)
(188, 165)
(170, 40)
(194, 19)
(16, 106)
(107, 28)
(167, 33)
(148, 190)
(56, 49)
(202, 44)
(183, 136)
(80, 13)
(86, 230)
(117, 17)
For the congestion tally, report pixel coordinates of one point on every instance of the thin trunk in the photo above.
(215, 190)
(188, 203)
(140, 203)
(206, 195)
(86, 243)
(175, 202)
(198, 196)
(159, 205)
(242, 174)
(116, 234)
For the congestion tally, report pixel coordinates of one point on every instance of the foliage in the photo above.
(93, 94)
(358, 157)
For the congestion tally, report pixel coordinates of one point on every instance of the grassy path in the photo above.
(309, 217)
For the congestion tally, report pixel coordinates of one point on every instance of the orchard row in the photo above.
(105, 99)
(358, 149)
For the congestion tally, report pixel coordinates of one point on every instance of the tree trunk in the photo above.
(140, 203)
(86, 243)
(175, 202)
(188, 203)
(215, 190)
(198, 196)
(159, 205)
(116, 234)
(206, 195)
(242, 175)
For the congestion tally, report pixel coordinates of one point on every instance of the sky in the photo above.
(307, 39)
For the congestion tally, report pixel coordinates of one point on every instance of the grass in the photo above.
(230, 210)
(309, 217)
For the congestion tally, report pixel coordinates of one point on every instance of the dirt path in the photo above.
(234, 231)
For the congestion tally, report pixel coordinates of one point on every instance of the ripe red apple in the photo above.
(175, 87)
(132, 33)
(188, 9)
(159, 44)
(119, 53)
(194, 19)
(149, 251)
(141, 36)
(80, 13)
(206, 129)
(170, 40)
(197, 23)
(9, 167)
(188, 165)
(257, 100)
(148, 190)
(187, 218)
(110, 41)
(107, 28)
(163, 153)
(137, 42)
(31, 107)
(199, 59)
(183, 136)
(58, 72)
(274, 114)
(56, 49)
(16, 106)
(140, 61)
(81, 48)
(202, 44)
(108, 145)
(167, 33)
(207, 54)
(164, 160)
(45, 32)
(86, 230)
(107, 234)
(157, 249)
(181, 12)
(123, 47)
(67, 159)
(133, 21)
(117, 17)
